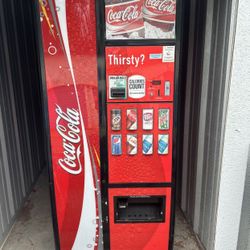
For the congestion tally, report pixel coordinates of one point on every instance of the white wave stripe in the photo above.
(85, 237)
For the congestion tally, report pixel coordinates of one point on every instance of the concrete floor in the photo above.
(33, 228)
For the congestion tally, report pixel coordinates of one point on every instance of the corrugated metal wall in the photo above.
(244, 233)
(208, 68)
(22, 152)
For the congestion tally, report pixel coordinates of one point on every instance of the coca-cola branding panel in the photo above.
(140, 19)
(70, 58)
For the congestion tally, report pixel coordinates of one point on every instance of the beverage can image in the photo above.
(162, 144)
(163, 119)
(116, 144)
(116, 119)
(147, 119)
(131, 144)
(131, 119)
(147, 144)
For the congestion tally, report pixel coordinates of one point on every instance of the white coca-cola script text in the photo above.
(67, 125)
(161, 5)
(128, 14)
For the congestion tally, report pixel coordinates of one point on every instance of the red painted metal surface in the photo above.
(149, 76)
(140, 168)
(135, 236)
(69, 42)
(151, 62)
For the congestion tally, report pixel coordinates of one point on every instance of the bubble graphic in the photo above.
(52, 50)
(44, 3)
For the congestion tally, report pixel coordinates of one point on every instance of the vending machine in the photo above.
(111, 70)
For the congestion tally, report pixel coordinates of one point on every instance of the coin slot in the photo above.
(156, 82)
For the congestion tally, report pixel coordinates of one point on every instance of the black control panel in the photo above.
(131, 209)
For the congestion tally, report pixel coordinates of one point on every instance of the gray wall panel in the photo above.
(244, 233)
(22, 151)
(210, 45)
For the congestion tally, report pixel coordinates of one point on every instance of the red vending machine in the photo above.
(111, 95)
(140, 127)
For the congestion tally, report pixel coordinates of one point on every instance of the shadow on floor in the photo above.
(33, 228)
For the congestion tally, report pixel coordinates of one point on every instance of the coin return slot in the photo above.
(118, 93)
(139, 209)
(156, 82)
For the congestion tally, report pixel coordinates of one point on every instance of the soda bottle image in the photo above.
(162, 144)
(147, 119)
(116, 144)
(159, 17)
(131, 119)
(163, 119)
(147, 144)
(116, 119)
(124, 19)
(132, 144)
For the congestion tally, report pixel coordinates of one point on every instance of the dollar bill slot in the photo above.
(118, 93)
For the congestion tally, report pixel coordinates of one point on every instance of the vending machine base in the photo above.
(139, 218)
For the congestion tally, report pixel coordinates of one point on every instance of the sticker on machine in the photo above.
(163, 119)
(162, 144)
(168, 53)
(147, 144)
(131, 119)
(116, 144)
(136, 86)
(147, 119)
(117, 87)
(132, 144)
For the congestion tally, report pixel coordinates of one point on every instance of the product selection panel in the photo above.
(140, 87)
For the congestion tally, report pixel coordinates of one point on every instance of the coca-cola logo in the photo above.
(161, 5)
(148, 117)
(67, 125)
(125, 15)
